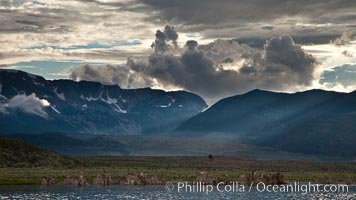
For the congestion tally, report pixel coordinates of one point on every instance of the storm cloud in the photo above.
(45, 30)
(317, 11)
(161, 44)
(205, 70)
(106, 33)
(218, 69)
(230, 18)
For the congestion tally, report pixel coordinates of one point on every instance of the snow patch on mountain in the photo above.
(90, 98)
(119, 109)
(123, 100)
(165, 106)
(59, 95)
(108, 100)
(55, 109)
(2, 97)
(38, 84)
(172, 101)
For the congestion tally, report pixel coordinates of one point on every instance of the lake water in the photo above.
(148, 192)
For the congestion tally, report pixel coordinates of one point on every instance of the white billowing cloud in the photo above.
(29, 104)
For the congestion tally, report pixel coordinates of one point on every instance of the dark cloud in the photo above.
(40, 19)
(259, 42)
(171, 34)
(191, 45)
(243, 18)
(162, 39)
(204, 69)
(347, 54)
(268, 27)
(284, 55)
(227, 11)
(228, 60)
(55, 17)
(281, 65)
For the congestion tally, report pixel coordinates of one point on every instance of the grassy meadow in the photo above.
(174, 169)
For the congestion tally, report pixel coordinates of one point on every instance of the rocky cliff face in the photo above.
(31, 104)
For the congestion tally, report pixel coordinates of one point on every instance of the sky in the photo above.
(215, 48)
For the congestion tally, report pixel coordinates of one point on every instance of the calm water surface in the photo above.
(147, 192)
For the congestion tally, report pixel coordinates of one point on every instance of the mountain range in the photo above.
(31, 104)
(312, 122)
(94, 119)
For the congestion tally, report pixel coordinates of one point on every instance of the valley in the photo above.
(91, 118)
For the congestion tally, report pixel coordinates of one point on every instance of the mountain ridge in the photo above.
(68, 106)
(314, 122)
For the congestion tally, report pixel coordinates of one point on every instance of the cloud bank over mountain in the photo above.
(218, 69)
(50, 38)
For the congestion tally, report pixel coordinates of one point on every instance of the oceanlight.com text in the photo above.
(295, 187)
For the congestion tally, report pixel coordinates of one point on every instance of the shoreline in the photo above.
(159, 185)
